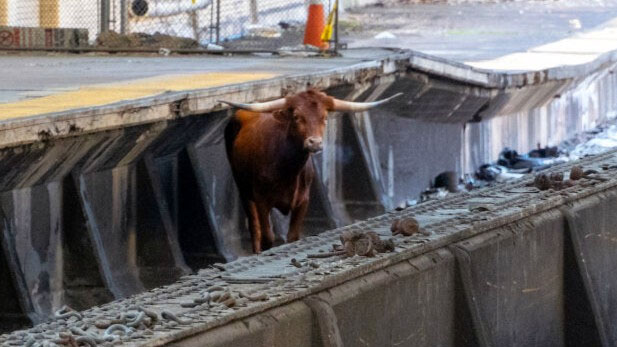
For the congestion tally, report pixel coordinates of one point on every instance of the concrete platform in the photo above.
(31, 76)
(60, 85)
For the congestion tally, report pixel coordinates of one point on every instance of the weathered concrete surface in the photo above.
(499, 267)
(291, 325)
(28, 76)
(509, 298)
(124, 197)
(591, 224)
(472, 31)
(513, 281)
(147, 181)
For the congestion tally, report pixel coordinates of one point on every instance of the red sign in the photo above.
(16, 40)
(48, 38)
(6, 38)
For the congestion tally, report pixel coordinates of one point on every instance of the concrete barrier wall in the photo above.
(104, 203)
(545, 280)
(589, 103)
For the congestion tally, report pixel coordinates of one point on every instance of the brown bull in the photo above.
(269, 145)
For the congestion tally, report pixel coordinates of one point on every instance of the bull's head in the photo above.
(306, 113)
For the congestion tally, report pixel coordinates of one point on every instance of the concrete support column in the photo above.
(48, 13)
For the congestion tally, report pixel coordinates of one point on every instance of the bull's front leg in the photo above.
(297, 217)
(254, 225)
(264, 221)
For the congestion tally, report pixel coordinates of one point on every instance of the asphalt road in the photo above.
(463, 32)
(471, 32)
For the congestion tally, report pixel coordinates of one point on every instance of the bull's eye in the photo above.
(296, 118)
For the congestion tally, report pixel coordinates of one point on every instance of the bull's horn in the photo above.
(259, 106)
(342, 105)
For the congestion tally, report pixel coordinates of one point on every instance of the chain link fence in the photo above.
(252, 25)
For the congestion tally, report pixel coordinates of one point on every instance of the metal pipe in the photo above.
(336, 27)
(195, 24)
(124, 17)
(211, 28)
(105, 9)
(254, 12)
(218, 21)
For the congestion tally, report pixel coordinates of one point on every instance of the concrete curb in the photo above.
(168, 106)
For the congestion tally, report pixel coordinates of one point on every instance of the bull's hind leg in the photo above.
(266, 229)
(254, 225)
(295, 224)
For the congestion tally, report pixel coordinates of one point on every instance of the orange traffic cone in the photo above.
(315, 24)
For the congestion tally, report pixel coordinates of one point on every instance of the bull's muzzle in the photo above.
(313, 144)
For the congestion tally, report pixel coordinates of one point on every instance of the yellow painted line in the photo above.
(99, 95)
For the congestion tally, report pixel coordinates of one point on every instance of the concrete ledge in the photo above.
(510, 291)
(497, 251)
(169, 106)
(290, 325)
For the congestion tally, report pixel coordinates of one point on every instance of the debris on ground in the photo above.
(511, 165)
(575, 24)
(433, 194)
(213, 47)
(553, 181)
(366, 244)
(407, 203)
(511, 159)
(405, 226)
(594, 142)
(498, 173)
(269, 38)
(576, 173)
(385, 35)
(299, 51)
(556, 181)
(295, 263)
(546, 152)
(111, 39)
(447, 180)
(258, 30)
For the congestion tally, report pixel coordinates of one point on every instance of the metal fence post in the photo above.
(254, 12)
(337, 4)
(218, 21)
(105, 9)
(124, 17)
